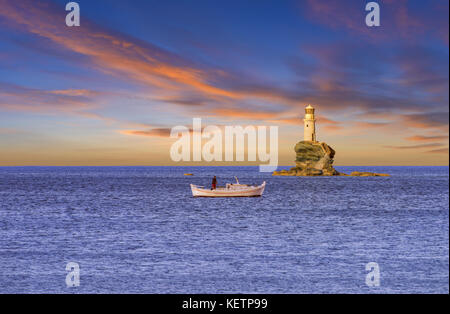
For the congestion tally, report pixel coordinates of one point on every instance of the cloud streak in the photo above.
(112, 53)
(22, 98)
(427, 120)
(421, 138)
(399, 20)
(333, 81)
(415, 146)
(157, 132)
(439, 151)
(390, 81)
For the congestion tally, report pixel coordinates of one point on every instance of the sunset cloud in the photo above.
(243, 113)
(155, 132)
(8, 131)
(439, 151)
(427, 120)
(153, 71)
(159, 132)
(23, 98)
(144, 63)
(399, 19)
(415, 146)
(421, 138)
(370, 125)
(335, 82)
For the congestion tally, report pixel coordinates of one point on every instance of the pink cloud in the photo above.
(439, 151)
(398, 19)
(113, 54)
(421, 138)
(415, 146)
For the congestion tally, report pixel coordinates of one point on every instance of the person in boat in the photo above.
(214, 183)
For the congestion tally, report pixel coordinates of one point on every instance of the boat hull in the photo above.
(253, 191)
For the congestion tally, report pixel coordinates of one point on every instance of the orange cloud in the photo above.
(166, 72)
(324, 120)
(70, 101)
(290, 121)
(129, 58)
(243, 113)
(415, 146)
(332, 128)
(156, 132)
(421, 138)
(400, 19)
(8, 131)
(73, 92)
(23, 98)
(111, 53)
(439, 151)
(369, 125)
(159, 132)
(427, 120)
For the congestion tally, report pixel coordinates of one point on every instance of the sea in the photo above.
(139, 230)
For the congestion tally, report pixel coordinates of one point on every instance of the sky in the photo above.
(109, 91)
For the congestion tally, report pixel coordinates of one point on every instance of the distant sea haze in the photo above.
(138, 229)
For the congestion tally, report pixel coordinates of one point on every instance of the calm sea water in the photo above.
(138, 229)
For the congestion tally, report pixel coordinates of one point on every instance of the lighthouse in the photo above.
(310, 124)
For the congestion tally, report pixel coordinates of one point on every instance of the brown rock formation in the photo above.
(316, 159)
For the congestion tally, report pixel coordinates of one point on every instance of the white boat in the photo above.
(230, 190)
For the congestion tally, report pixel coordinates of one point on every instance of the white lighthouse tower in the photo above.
(310, 125)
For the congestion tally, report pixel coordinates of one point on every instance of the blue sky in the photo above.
(109, 91)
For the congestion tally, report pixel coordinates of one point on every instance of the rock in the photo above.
(310, 172)
(284, 173)
(368, 174)
(312, 159)
(316, 159)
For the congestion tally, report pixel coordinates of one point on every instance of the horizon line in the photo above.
(210, 166)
